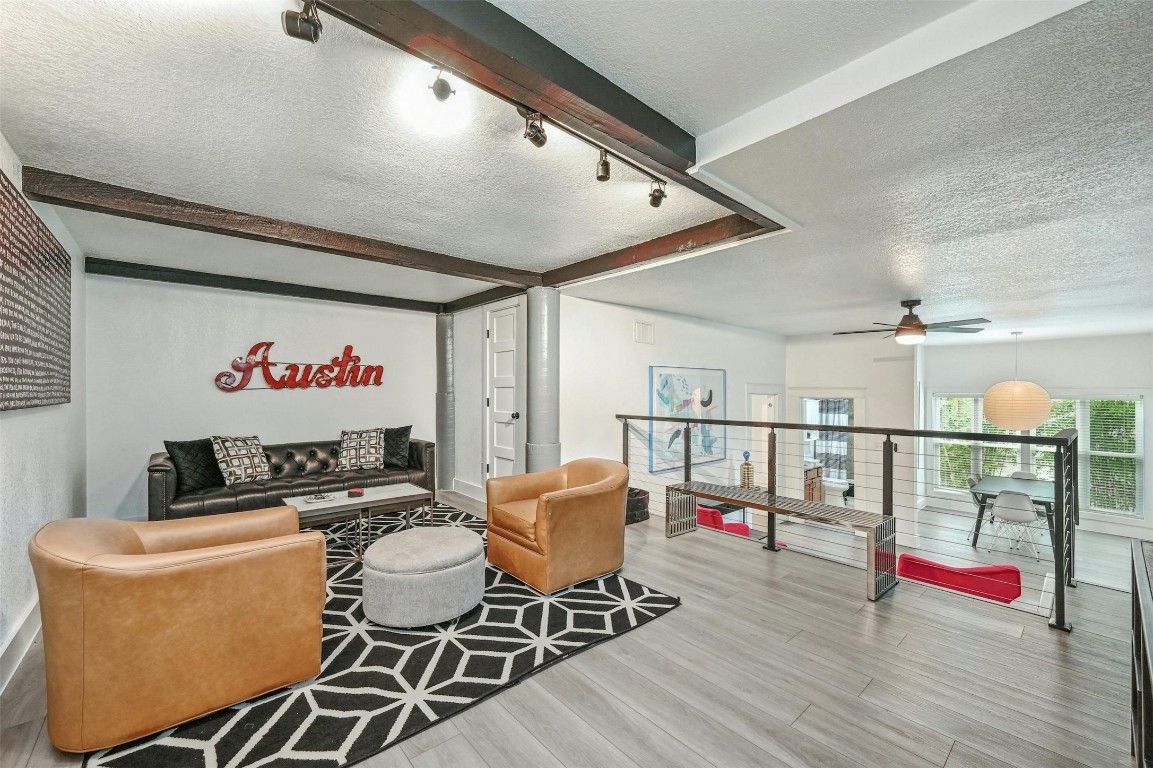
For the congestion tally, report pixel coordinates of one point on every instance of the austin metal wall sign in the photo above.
(343, 371)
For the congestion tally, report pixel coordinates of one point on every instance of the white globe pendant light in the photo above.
(1017, 405)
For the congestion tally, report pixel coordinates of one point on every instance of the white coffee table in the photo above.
(402, 497)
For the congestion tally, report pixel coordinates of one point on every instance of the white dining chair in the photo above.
(1023, 476)
(1016, 519)
(973, 480)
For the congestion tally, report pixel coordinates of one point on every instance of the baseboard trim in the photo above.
(471, 490)
(18, 645)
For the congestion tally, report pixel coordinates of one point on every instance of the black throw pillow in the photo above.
(396, 446)
(196, 466)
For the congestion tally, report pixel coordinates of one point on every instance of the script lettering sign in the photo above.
(345, 370)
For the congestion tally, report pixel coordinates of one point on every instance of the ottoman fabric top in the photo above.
(419, 550)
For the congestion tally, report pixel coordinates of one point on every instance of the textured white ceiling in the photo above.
(209, 101)
(1015, 183)
(701, 63)
(141, 242)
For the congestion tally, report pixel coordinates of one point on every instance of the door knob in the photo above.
(515, 415)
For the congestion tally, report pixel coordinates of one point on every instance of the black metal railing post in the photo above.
(688, 452)
(771, 488)
(887, 477)
(625, 441)
(771, 478)
(1062, 516)
(1075, 517)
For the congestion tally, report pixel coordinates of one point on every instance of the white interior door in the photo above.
(762, 407)
(504, 352)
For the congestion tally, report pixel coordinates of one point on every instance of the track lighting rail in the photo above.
(306, 25)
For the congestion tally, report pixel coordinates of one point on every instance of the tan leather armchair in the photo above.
(557, 528)
(147, 625)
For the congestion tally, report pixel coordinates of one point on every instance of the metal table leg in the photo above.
(980, 517)
(771, 528)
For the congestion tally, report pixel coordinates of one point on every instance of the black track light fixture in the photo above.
(303, 25)
(534, 129)
(603, 166)
(657, 194)
(440, 87)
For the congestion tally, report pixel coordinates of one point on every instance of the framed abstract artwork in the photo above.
(693, 393)
(35, 308)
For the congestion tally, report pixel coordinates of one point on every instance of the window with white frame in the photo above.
(1111, 445)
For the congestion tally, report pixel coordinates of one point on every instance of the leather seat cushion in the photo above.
(519, 517)
(272, 493)
(364, 478)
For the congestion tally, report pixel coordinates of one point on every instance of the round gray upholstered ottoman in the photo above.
(423, 576)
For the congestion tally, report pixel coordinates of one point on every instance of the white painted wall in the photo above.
(880, 375)
(603, 372)
(878, 367)
(468, 372)
(42, 455)
(1102, 365)
(156, 348)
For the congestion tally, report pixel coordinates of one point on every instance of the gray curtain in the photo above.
(833, 445)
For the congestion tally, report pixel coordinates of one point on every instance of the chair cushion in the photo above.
(993, 582)
(519, 517)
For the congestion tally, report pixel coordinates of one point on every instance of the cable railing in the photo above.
(947, 529)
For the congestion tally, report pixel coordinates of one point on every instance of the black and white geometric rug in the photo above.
(378, 686)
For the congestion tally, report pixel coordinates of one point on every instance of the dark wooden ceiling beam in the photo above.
(494, 51)
(729, 229)
(112, 268)
(499, 293)
(85, 194)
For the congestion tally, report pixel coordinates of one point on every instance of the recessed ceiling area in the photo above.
(1014, 183)
(142, 242)
(701, 63)
(212, 103)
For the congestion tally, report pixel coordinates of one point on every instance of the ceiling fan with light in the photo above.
(912, 331)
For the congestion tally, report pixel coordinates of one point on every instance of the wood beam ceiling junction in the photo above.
(497, 53)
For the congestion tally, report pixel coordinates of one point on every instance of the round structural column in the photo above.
(445, 404)
(542, 449)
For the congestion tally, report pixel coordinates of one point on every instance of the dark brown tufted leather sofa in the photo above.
(297, 469)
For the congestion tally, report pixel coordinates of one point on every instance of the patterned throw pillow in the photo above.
(396, 446)
(361, 449)
(195, 463)
(241, 459)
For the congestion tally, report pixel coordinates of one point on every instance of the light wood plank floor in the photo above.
(775, 660)
(944, 537)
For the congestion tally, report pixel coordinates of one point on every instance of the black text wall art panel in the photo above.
(35, 308)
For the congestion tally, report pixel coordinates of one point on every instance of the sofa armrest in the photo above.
(422, 456)
(217, 530)
(419, 452)
(161, 485)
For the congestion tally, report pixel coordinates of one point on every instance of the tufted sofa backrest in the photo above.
(291, 460)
